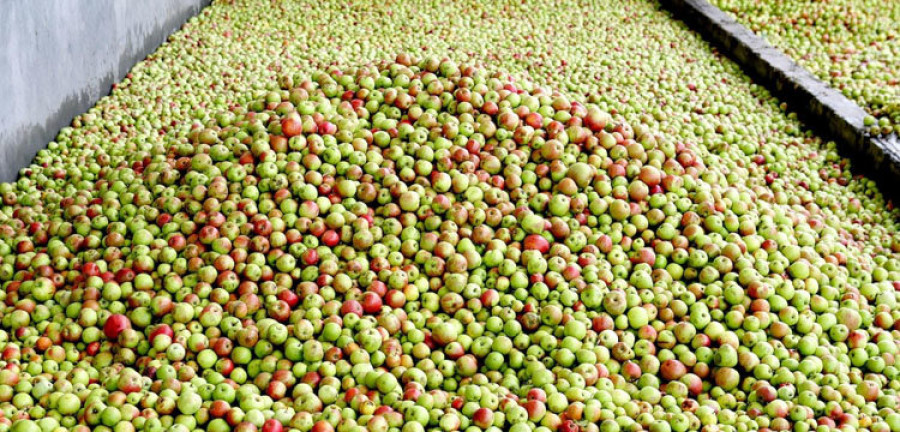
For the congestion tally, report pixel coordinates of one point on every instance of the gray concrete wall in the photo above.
(822, 108)
(58, 57)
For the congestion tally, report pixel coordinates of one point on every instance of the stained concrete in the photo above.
(822, 108)
(58, 57)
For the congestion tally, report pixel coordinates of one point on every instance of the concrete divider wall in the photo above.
(58, 57)
(822, 108)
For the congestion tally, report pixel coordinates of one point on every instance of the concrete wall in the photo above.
(58, 57)
(821, 108)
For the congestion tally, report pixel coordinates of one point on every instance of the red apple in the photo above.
(115, 324)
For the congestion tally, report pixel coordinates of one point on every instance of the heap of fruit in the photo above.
(245, 236)
(851, 44)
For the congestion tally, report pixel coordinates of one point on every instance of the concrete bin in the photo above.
(58, 57)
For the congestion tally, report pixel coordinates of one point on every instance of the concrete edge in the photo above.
(56, 105)
(822, 108)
